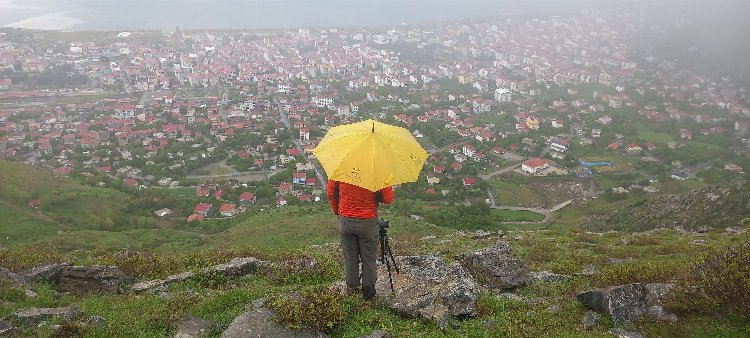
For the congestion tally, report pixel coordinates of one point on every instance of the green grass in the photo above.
(507, 193)
(62, 200)
(516, 215)
(648, 135)
(19, 227)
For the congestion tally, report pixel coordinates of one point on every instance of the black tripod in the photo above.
(386, 255)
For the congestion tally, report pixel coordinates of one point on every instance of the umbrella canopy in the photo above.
(371, 155)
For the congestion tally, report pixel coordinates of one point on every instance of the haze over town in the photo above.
(189, 125)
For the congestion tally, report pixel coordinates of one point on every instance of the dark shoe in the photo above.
(368, 293)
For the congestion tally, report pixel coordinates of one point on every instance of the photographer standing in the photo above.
(357, 209)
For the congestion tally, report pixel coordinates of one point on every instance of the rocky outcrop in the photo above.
(716, 206)
(32, 317)
(259, 322)
(45, 273)
(495, 268)
(428, 288)
(627, 303)
(237, 267)
(193, 327)
(81, 280)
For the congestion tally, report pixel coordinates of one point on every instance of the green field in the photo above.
(516, 216)
(21, 226)
(513, 195)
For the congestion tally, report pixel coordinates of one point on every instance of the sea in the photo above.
(123, 15)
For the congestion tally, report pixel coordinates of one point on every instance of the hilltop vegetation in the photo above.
(715, 206)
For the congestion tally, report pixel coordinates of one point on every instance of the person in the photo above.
(357, 210)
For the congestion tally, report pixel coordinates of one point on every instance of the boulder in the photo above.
(32, 317)
(81, 280)
(590, 320)
(6, 328)
(495, 267)
(9, 277)
(45, 273)
(237, 267)
(427, 288)
(96, 320)
(625, 303)
(193, 327)
(260, 323)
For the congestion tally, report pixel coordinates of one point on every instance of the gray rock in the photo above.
(553, 308)
(661, 315)
(45, 273)
(479, 234)
(240, 266)
(9, 277)
(96, 320)
(193, 327)
(659, 293)
(237, 267)
(626, 303)
(81, 280)
(6, 328)
(429, 289)
(622, 333)
(72, 313)
(590, 320)
(549, 277)
(495, 267)
(260, 323)
(378, 334)
(32, 317)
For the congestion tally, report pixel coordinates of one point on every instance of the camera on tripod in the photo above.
(383, 225)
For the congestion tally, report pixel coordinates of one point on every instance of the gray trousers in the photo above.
(359, 241)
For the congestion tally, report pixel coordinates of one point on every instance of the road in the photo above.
(549, 214)
(284, 119)
(498, 172)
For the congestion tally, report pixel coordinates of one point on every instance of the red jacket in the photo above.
(356, 202)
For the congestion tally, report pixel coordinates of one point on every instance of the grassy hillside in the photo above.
(63, 201)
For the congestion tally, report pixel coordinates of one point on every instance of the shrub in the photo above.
(305, 269)
(26, 257)
(9, 293)
(317, 308)
(723, 279)
(209, 278)
(69, 330)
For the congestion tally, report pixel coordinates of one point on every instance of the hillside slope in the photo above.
(717, 206)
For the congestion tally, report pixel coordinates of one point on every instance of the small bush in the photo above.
(305, 269)
(209, 278)
(723, 278)
(26, 257)
(69, 330)
(318, 309)
(166, 315)
(9, 293)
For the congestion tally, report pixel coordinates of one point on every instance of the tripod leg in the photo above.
(390, 253)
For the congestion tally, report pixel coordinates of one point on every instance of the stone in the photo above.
(659, 314)
(193, 327)
(72, 313)
(627, 303)
(378, 334)
(590, 320)
(479, 234)
(32, 317)
(495, 267)
(96, 320)
(553, 308)
(260, 323)
(428, 288)
(622, 333)
(549, 277)
(82, 280)
(45, 273)
(9, 277)
(239, 266)
(6, 328)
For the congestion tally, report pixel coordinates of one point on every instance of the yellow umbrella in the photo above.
(371, 155)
